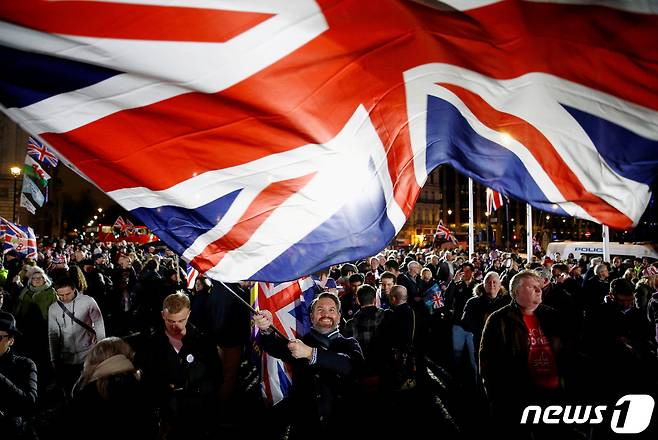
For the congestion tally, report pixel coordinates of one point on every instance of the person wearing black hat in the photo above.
(18, 383)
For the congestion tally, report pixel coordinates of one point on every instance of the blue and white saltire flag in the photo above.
(267, 139)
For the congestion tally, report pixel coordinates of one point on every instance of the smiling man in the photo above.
(323, 362)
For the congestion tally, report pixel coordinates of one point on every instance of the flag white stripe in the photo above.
(314, 204)
(157, 70)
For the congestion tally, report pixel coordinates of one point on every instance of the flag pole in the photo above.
(178, 268)
(488, 214)
(507, 237)
(606, 243)
(471, 229)
(254, 311)
(528, 228)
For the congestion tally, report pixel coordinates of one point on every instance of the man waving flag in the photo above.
(268, 139)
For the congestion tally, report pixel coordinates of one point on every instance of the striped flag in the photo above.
(444, 233)
(33, 191)
(191, 276)
(33, 169)
(41, 152)
(268, 139)
(494, 200)
(289, 304)
(27, 204)
(130, 227)
(19, 238)
(120, 224)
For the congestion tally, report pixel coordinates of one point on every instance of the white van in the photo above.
(589, 248)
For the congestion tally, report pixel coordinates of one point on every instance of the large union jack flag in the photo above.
(266, 139)
(289, 303)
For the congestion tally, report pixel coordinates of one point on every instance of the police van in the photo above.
(593, 248)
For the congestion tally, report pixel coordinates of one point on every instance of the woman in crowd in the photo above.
(107, 399)
(38, 288)
(31, 312)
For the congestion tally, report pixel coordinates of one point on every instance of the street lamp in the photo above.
(15, 172)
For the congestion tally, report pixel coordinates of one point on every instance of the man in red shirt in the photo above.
(520, 352)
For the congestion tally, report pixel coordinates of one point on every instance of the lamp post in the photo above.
(15, 172)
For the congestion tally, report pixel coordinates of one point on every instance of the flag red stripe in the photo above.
(266, 376)
(544, 153)
(569, 41)
(130, 21)
(280, 299)
(258, 211)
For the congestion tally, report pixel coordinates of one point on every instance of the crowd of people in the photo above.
(110, 333)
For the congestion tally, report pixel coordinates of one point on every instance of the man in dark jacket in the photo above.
(490, 297)
(618, 335)
(365, 327)
(183, 372)
(521, 353)
(404, 328)
(230, 324)
(324, 364)
(458, 292)
(18, 383)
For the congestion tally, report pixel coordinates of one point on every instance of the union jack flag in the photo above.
(41, 152)
(433, 297)
(120, 224)
(191, 276)
(289, 304)
(268, 139)
(444, 233)
(494, 200)
(123, 225)
(19, 238)
(130, 227)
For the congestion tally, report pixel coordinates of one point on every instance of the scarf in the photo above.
(116, 364)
